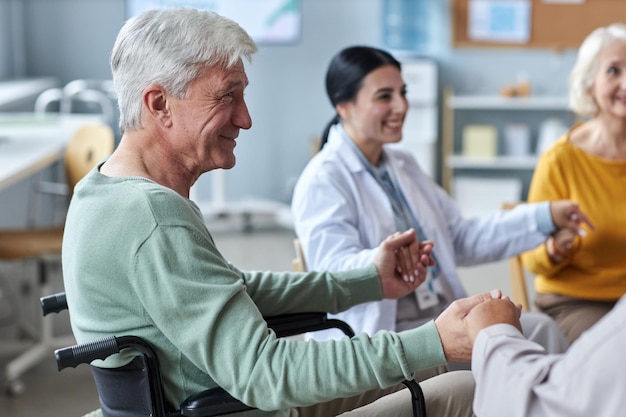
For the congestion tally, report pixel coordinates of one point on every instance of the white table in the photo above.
(29, 143)
(14, 92)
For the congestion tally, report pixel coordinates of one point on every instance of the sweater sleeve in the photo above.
(290, 292)
(517, 378)
(506, 368)
(548, 184)
(226, 338)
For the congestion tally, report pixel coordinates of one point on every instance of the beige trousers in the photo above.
(573, 315)
(447, 394)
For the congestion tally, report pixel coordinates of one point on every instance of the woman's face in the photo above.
(609, 85)
(376, 115)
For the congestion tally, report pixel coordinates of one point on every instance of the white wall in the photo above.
(71, 39)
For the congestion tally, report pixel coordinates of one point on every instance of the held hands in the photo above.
(568, 218)
(560, 244)
(459, 324)
(492, 312)
(401, 262)
(567, 215)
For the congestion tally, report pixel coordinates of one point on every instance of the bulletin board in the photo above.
(556, 25)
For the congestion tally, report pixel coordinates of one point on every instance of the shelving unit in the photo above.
(481, 184)
(507, 103)
(494, 108)
(500, 162)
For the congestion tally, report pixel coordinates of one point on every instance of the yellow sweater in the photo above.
(596, 268)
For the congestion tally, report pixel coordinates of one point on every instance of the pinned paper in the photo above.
(499, 20)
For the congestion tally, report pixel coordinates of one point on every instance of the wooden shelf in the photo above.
(508, 103)
(497, 162)
(496, 107)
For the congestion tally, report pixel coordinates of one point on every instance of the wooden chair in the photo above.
(417, 396)
(87, 147)
(298, 263)
(519, 292)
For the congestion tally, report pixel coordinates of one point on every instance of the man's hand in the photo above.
(401, 262)
(491, 312)
(567, 215)
(452, 327)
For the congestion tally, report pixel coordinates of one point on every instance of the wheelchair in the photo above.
(208, 403)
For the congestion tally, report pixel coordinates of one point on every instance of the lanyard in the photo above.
(399, 205)
(403, 215)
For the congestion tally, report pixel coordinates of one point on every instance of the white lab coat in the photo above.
(341, 216)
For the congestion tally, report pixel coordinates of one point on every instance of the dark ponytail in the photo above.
(330, 124)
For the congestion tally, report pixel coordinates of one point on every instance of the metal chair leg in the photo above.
(41, 349)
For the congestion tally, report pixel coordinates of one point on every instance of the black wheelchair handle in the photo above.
(86, 352)
(54, 303)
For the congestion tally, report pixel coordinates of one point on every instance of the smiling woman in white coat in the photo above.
(358, 190)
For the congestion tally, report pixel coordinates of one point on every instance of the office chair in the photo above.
(88, 146)
(519, 292)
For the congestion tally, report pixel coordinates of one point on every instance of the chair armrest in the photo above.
(417, 398)
(212, 402)
(286, 325)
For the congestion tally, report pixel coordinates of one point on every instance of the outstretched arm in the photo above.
(516, 377)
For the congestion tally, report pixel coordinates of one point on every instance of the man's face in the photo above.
(207, 121)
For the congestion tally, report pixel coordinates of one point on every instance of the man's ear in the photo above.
(156, 104)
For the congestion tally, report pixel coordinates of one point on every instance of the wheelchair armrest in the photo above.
(417, 398)
(212, 402)
(284, 325)
(298, 323)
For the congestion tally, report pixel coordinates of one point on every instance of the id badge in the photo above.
(426, 294)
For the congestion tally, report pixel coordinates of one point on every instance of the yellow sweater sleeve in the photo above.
(596, 268)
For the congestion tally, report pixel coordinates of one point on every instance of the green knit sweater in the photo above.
(139, 260)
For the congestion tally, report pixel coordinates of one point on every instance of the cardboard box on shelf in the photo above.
(480, 141)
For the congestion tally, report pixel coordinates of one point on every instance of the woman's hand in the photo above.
(567, 215)
(459, 323)
(560, 244)
(401, 262)
(491, 312)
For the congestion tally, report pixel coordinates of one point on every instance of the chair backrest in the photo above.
(87, 147)
(519, 292)
(83, 91)
(49, 96)
(298, 264)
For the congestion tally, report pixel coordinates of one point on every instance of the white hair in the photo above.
(584, 71)
(171, 47)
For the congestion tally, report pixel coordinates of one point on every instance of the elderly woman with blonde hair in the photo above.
(581, 276)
